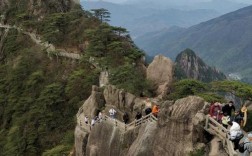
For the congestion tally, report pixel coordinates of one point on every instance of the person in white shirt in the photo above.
(112, 113)
(235, 134)
(93, 122)
(86, 119)
(100, 116)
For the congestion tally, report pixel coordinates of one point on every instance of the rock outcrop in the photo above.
(178, 131)
(122, 101)
(189, 65)
(94, 103)
(104, 78)
(81, 139)
(105, 139)
(160, 72)
(180, 127)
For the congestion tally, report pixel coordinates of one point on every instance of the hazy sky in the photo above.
(120, 1)
(113, 1)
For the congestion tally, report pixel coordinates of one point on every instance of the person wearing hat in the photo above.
(248, 145)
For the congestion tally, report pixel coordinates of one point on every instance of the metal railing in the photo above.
(122, 126)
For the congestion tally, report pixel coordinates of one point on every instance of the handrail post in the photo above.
(207, 122)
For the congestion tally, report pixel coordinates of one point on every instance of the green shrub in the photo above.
(186, 87)
(131, 79)
(198, 152)
(58, 151)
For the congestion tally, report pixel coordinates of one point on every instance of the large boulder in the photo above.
(180, 127)
(178, 132)
(118, 97)
(160, 72)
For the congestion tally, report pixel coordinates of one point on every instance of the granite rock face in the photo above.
(80, 141)
(94, 103)
(180, 127)
(160, 72)
(178, 131)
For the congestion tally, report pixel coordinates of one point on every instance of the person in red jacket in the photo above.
(215, 111)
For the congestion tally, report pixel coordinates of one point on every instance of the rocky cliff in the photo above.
(178, 130)
(189, 65)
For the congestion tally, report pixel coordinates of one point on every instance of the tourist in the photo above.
(247, 145)
(155, 110)
(228, 108)
(112, 113)
(215, 110)
(235, 133)
(125, 118)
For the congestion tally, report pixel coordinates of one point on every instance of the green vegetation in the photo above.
(39, 97)
(131, 80)
(213, 91)
(198, 152)
(102, 14)
(186, 87)
(239, 89)
(38, 103)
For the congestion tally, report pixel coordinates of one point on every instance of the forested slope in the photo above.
(40, 92)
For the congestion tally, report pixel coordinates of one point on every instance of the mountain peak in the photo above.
(189, 65)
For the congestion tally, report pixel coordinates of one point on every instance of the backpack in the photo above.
(240, 136)
(241, 147)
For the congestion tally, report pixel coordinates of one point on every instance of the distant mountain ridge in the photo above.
(221, 6)
(224, 42)
(140, 20)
